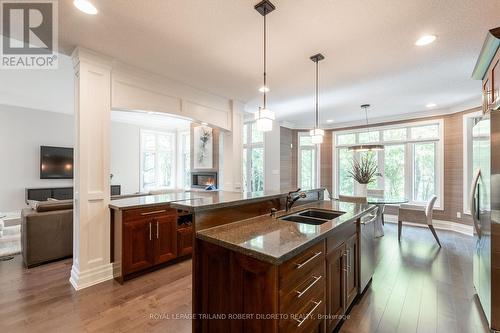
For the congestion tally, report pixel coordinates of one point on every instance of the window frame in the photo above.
(180, 181)
(409, 156)
(467, 126)
(315, 148)
(249, 146)
(156, 151)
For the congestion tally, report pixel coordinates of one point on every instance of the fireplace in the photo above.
(203, 179)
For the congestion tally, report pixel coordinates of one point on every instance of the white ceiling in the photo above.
(216, 45)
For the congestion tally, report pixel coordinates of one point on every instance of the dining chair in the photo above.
(417, 214)
(353, 199)
(378, 194)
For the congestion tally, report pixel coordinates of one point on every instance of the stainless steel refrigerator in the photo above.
(485, 210)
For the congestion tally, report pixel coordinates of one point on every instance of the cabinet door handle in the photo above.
(149, 230)
(155, 212)
(309, 313)
(299, 266)
(301, 293)
(157, 230)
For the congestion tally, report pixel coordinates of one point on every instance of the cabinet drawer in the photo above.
(307, 318)
(295, 294)
(146, 213)
(296, 269)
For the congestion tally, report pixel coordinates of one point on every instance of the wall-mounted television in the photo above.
(56, 162)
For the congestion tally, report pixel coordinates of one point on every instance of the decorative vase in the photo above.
(361, 190)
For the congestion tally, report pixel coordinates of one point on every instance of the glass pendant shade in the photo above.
(317, 135)
(264, 120)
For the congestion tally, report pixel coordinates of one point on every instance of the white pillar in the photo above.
(231, 168)
(91, 221)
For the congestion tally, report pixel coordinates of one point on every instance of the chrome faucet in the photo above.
(291, 200)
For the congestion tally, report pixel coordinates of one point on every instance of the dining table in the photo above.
(381, 202)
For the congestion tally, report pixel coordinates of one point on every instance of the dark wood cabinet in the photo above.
(313, 290)
(165, 242)
(137, 235)
(351, 258)
(184, 241)
(143, 238)
(342, 270)
(335, 300)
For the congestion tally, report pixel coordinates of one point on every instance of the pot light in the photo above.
(204, 124)
(431, 105)
(264, 89)
(425, 40)
(85, 6)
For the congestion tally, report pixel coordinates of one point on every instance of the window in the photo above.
(308, 158)
(184, 161)
(253, 158)
(157, 160)
(471, 139)
(411, 163)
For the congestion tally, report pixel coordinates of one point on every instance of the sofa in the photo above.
(46, 232)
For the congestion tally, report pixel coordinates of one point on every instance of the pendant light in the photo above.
(317, 133)
(366, 147)
(264, 117)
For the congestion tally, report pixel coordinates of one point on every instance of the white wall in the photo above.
(125, 156)
(22, 132)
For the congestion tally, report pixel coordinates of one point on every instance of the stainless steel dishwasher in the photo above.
(367, 249)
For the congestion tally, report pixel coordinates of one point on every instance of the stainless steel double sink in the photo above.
(312, 216)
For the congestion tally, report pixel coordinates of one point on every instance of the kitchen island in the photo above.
(298, 271)
(148, 232)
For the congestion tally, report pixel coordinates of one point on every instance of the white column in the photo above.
(231, 168)
(91, 221)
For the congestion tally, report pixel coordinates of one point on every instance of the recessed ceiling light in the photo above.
(329, 121)
(264, 89)
(425, 40)
(431, 105)
(204, 124)
(85, 6)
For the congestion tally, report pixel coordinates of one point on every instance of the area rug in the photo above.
(10, 242)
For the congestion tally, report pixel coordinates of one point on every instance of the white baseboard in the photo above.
(84, 279)
(438, 224)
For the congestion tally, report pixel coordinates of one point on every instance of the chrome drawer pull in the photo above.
(157, 230)
(155, 212)
(308, 260)
(300, 293)
(309, 314)
(149, 230)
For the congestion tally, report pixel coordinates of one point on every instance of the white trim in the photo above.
(438, 224)
(466, 153)
(249, 146)
(83, 279)
(409, 144)
(315, 148)
(156, 133)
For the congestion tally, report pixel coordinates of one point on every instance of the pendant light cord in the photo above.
(265, 53)
(317, 113)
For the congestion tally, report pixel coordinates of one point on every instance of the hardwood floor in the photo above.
(417, 287)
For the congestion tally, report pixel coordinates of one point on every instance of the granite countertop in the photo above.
(275, 241)
(194, 201)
